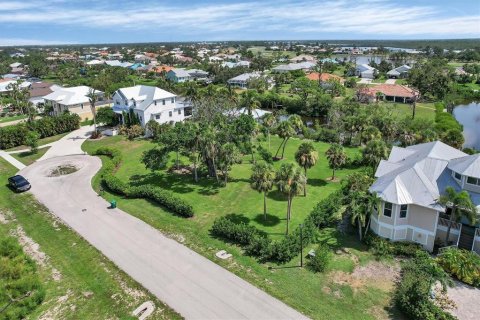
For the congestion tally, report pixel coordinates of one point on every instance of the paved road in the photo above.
(191, 284)
(69, 144)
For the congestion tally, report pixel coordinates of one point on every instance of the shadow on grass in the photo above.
(316, 182)
(276, 195)
(237, 218)
(269, 222)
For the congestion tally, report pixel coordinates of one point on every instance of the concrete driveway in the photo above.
(191, 284)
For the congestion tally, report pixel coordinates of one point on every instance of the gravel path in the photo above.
(467, 300)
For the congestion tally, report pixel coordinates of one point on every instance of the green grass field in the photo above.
(87, 285)
(316, 295)
(8, 119)
(27, 158)
(423, 110)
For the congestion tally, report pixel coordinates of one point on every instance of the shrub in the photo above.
(413, 294)
(325, 213)
(154, 193)
(107, 116)
(18, 277)
(135, 131)
(320, 261)
(31, 140)
(239, 233)
(462, 264)
(382, 247)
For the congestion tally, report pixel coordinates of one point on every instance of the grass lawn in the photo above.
(314, 294)
(87, 285)
(8, 119)
(423, 110)
(27, 158)
(41, 142)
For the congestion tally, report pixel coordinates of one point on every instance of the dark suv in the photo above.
(19, 183)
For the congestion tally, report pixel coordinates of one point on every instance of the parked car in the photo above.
(19, 183)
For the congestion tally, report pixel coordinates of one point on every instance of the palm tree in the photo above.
(250, 101)
(306, 157)
(290, 181)
(262, 178)
(92, 98)
(336, 157)
(461, 205)
(374, 151)
(269, 121)
(373, 203)
(285, 131)
(358, 212)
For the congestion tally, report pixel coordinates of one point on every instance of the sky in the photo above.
(43, 22)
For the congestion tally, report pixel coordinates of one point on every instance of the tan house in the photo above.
(75, 100)
(410, 183)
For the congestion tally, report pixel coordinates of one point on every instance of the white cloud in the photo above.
(367, 17)
(6, 42)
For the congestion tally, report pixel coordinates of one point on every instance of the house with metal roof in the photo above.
(365, 71)
(241, 81)
(149, 103)
(410, 183)
(305, 66)
(399, 73)
(74, 100)
(178, 75)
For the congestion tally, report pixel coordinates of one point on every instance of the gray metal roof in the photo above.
(467, 166)
(412, 175)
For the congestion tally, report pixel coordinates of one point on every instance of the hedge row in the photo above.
(382, 247)
(257, 244)
(160, 196)
(413, 295)
(13, 136)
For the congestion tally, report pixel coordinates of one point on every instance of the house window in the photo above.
(163, 102)
(474, 181)
(81, 105)
(117, 102)
(173, 100)
(155, 102)
(403, 210)
(157, 116)
(134, 103)
(179, 111)
(140, 118)
(387, 209)
(458, 176)
(170, 113)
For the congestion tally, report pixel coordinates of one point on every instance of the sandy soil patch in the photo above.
(467, 300)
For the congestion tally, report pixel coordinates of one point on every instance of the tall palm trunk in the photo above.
(265, 205)
(450, 221)
(288, 213)
(305, 185)
(195, 173)
(284, 145)
(359, 228)
(279, 147)
(333, 174)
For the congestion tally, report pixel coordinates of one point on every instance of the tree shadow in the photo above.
(269, 222)
(276, 195)
(237, 218)
(316, 182)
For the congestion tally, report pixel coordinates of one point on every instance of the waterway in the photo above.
(469, 116)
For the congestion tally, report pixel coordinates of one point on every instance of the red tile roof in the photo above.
(325, 77)
(393, 90)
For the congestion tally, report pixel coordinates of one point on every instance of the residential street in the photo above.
(191, 284)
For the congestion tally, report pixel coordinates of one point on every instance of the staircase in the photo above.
(467, 236)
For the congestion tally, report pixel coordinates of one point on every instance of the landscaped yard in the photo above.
(339, 293)
(80, 282)
(27, 157)
(423, 110)
(13, 118)
(41, 142)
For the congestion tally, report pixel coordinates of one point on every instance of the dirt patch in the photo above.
(182, 169)
(62, 170)
(6, 217)
(374, 274)
(31, 248)
(61, 306)
(379, 312)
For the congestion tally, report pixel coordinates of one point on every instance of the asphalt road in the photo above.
(194, 286)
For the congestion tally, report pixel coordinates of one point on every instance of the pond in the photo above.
(469, 116)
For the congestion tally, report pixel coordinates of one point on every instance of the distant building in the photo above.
(38, 90)
(325, 77)
(305, 66)
(393, 93)
(399, 73)
(149, 103)
(178, 75)
(241, 81)
(365, 71)
(304, 58)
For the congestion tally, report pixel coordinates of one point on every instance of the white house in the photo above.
(241, 81)
(400, 72)
(149, 103)
(365, 71)
(178, 75)
(73, 99)
(305, 66)
(411, 181)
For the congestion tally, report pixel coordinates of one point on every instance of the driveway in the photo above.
(188, 282)
(467, 299)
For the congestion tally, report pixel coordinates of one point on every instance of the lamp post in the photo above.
(301, 245)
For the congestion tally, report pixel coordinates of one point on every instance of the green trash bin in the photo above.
(113, 204)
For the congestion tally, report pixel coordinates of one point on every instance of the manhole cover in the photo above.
(62, 170)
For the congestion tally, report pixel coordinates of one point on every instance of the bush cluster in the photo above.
(382, 247)
(324, 213)
(257, 244)
(19, 280)
(16, 135)
(413, 294)
(320, 261)
(154, 193)
(462, 264)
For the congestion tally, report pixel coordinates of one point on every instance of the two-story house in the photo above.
(410, 184)
(149, 103)
(74, 100)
